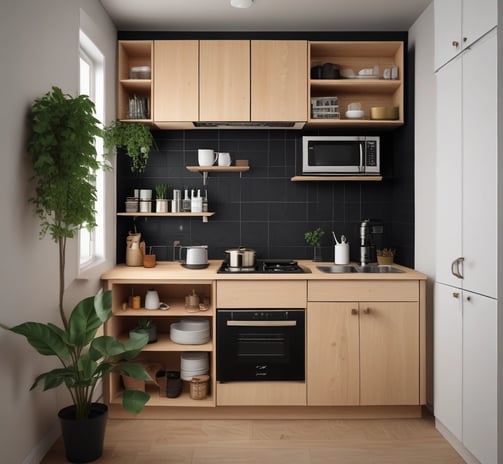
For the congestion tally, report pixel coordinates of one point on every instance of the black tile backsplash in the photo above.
(262, 208)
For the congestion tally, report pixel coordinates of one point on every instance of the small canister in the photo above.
(341, 253)
(199, 386)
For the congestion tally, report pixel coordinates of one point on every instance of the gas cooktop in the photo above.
(265, 266)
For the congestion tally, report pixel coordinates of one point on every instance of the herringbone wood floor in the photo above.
(390, 441)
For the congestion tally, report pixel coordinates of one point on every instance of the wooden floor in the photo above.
(390, 441)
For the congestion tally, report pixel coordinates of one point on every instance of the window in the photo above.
(92, 243)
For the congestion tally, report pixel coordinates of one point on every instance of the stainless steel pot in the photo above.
(241, 257)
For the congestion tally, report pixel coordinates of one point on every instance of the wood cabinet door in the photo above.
(448, 357)
(389, 353)
(224, 80)
(332, 354)
(279, 73)
(176, 79)
(449, 193)
(480, 166)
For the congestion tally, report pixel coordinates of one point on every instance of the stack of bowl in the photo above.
(190, 331)
(193, 363)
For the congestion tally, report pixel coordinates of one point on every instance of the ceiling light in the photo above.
(241, 3)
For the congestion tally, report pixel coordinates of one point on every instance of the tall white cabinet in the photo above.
(465, 301)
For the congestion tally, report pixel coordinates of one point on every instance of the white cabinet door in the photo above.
(448, 356)
(479, 17)
(480, 376)
(480, 168)
(447, 18)
(448, 171)
(460, 23)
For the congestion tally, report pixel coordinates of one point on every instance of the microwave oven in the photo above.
(341, 155)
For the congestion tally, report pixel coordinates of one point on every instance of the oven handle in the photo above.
(261, 323)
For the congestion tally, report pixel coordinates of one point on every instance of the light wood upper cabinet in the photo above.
(224, 80)
(176, 80)
(279, 80)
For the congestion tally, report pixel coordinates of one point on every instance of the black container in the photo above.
(174, 388)
(83, 438)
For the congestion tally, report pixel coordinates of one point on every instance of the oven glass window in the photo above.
(261, 345)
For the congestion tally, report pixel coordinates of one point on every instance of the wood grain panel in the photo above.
(261, 294)
(261, 394)
(224, 80)
(367, 290)
(332, 354)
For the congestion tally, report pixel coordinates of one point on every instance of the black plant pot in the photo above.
(83, 438)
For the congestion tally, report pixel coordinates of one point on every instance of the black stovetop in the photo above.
(265, 266)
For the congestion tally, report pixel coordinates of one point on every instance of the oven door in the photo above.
(260, 345)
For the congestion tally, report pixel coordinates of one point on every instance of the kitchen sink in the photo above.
(348, 268)
(337, 268)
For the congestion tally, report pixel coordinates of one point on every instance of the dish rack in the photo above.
(325, 108)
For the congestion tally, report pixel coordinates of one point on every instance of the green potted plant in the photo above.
(134, 137)
(86, 358)
(161, 200)
(147, 327)
(385, 256)
(64, 162)
(313, 238)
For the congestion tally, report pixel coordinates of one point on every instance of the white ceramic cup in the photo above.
(341, 253)
(145, 206)
(224, 159)
(146, 194)
(206, 157)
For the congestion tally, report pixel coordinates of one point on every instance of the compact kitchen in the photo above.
(310, 242)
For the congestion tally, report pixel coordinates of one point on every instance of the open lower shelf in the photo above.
(166, 214)
(334, 178)
(176, 309)
(184, 400)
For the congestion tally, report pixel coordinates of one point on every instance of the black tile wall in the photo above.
(262, 208)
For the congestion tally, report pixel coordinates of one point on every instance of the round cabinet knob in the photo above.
(366, 310)
(468, 298)
(455, 295)
(455, 43)
(465, 39)
(354, 311)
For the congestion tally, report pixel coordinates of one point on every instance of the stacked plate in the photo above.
(193, 363)
(190, 331)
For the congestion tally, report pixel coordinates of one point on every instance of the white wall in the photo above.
(421, 41)
(38, 49)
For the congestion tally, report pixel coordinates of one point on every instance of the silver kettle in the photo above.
(196, 258)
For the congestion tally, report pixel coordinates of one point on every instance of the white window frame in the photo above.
(95, 239)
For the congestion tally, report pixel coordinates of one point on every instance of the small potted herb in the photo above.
(134, 137)
(161, 201)
(313, 238)
(385, 256)
(146, 326)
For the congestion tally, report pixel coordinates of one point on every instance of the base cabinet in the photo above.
(363, 353)
(465, 369)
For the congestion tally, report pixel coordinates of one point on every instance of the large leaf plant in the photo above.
(85, 357)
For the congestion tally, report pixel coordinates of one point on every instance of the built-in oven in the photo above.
(260, 344)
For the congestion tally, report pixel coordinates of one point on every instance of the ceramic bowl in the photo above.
(180, 335)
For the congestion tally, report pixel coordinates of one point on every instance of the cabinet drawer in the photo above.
(261, 294)
(375, 290)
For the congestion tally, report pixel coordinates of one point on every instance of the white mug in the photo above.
(224, 159)
(206, 157)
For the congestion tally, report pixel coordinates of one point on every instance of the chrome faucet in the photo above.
(367, 249)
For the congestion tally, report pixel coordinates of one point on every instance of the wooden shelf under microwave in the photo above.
(335, 178)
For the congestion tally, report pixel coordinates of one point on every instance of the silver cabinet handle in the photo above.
(455, 267)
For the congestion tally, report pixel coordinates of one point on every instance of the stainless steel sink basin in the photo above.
(348, 268)
(372, 268)
(337, 268)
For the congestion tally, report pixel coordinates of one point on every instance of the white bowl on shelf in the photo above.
(354, 114)
(194, 323)
(193, 360)
(183, 336)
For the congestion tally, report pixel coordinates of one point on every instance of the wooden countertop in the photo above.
(172, 270)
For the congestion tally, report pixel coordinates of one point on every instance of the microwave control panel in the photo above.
(371, 149)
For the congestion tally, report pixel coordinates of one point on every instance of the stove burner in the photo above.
(279, 266)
